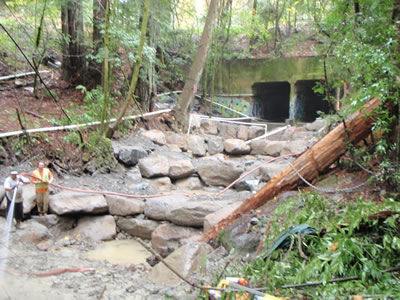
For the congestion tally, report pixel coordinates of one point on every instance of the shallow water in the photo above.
(121, 252)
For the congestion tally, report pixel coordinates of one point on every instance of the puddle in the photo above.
(121, 252)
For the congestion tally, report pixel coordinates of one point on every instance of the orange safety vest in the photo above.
(45, 175)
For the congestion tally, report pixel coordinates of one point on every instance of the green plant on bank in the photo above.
(361, 50)
(348, 244)
(99, 152)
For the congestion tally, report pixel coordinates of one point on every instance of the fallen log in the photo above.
(310, 164)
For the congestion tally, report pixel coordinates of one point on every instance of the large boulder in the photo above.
(212, 219)
(33, 232)
(168, 237)
(236, 147)
(189, 184)
(196, 145)
(215, 145)
(102, 228)
(158, 208)
(122, 206)
(297, 146)
(67, 202)
(177, 139)
(154, 166)
(156, 136)
(243, 132)
(217, 171)
(209, 126)
(193, 213)
(256, 131)
(130, 155)
(274, 148)
(180, 168)
(228, 131)
(29, 196)
(137, 227)
(160, 184)
(272, 169)
(185, 260)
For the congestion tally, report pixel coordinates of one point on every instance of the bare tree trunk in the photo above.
(197, 67)
(95, 68)
(74, 62)
(310, 164)
(146, 88)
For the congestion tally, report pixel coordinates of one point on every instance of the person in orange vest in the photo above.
(42, 177)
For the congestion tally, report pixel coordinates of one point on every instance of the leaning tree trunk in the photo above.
(132, 86)
(74, 62)
(310, 164)
(197, 68)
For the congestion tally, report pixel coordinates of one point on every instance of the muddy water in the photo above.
(121, 252)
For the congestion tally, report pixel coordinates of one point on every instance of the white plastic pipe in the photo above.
(56, 128)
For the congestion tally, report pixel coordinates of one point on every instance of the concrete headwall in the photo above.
(237, 76)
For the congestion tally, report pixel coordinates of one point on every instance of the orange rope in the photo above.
(163, 194)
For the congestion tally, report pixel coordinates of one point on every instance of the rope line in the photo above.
(336, 191)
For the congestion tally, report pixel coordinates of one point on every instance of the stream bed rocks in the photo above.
(177, 181)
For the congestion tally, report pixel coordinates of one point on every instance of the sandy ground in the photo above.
(30, 273)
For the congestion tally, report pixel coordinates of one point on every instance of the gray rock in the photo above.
(228, 131)
(122, 206)
(215, 145)
(158, 208)
(217, 171)
(247, 185)
(29, 196)
(130, 156)
(272, 169)
(33, 233)
(180, 168)
(67, 202)
(208, 126)
(189, 184)
(212, 219)
(154, 165)
(259, 147)
(177, 139)
(134, 175)
(168, 237)
(156, 136)
(193, 213)
(101, 228)
(196, 145)
(137, 227)
(236, 147)
(274, 148)
(297, 146)
(243, 132)
(161, 184)
(256, 131)
(185, 260)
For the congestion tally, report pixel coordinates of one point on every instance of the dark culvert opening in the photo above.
(307, 103)
(273, 100)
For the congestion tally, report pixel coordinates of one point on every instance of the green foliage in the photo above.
(350, 244)
(100, 152)
(361, 49)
